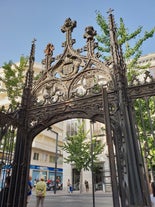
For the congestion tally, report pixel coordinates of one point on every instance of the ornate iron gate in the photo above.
(77, 84)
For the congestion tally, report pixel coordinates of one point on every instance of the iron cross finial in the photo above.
(110, 11)
(68, 25)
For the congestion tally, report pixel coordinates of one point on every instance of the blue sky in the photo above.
(23, 20)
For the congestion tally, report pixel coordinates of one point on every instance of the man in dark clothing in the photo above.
(4, 192)
(153, 188)
(86, 185)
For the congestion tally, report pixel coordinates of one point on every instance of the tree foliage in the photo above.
(131, 43)
(145, 111)
(78, 148)
(13, 79)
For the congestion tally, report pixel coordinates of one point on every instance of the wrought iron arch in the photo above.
(71, 87)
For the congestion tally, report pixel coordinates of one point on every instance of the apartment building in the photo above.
(47, 155)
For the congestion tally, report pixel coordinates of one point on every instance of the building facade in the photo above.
(102, 173)
(47, 155)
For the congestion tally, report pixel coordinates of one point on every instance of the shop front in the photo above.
(47, 172)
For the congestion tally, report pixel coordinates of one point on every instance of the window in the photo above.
(72, 127)
(44, 157)
(51, 159)
(36, 156)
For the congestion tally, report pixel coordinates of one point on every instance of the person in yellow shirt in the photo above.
(40, 192)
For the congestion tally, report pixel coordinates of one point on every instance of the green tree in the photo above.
(145, 111)
(79, 151)
(13, 80)
(131, 43)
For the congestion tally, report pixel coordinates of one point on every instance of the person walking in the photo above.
(40, 192)
(69, 186)
(86, 185)
(34, 183)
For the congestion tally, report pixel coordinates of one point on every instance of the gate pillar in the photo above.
(20, 170)
(133, 188)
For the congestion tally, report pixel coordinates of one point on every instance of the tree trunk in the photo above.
(81, 182)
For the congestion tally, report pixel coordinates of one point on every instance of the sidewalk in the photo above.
(76, 199)
(64, 192)
(153, 200)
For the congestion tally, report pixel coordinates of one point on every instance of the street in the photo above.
(62, 199)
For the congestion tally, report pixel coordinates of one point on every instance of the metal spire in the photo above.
(29, 74)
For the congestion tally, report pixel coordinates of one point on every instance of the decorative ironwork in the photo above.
(73, 75)
(76, 84)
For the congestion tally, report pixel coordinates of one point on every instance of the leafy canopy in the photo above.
(13, 79)
(131, 43)
(78, 148)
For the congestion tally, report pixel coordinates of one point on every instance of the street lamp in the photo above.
(56, 158)
(92, 162)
